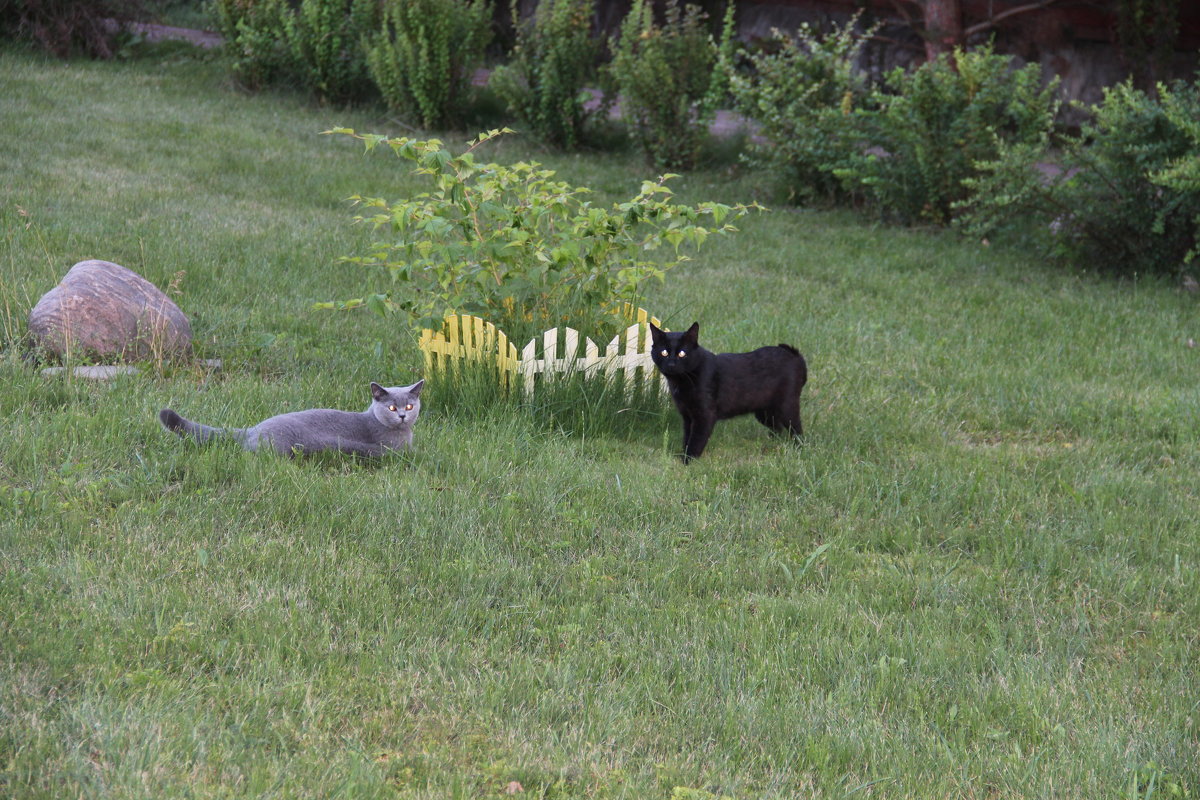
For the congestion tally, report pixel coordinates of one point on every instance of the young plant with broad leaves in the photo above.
(515, 245)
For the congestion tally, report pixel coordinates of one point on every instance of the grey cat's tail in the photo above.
(185, 427)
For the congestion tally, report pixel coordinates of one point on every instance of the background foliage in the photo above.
(1126, 200)
(802, 90)
(424, 57)
(926, 130)
(668, 80)
(545, 80)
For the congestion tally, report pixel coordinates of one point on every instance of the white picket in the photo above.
(471, 337)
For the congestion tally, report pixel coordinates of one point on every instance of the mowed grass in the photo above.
(976, 577)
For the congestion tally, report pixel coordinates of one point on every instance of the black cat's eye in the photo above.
(408, 407)
(392, 407)
(663, 353)
(682, 354)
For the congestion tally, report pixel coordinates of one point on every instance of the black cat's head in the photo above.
(671, 351)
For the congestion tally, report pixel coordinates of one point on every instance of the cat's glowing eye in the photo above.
(408, 407)
(664, 354)
(682, 354)
(392, 407)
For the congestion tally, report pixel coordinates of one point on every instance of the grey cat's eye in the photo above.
(408, 407)
(393, 407)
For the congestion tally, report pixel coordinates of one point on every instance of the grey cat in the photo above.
(385, 425)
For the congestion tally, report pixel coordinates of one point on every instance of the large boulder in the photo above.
(103, 310)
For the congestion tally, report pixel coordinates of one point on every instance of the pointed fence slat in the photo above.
(467, 337)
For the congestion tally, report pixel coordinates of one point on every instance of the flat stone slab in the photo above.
(102, 373)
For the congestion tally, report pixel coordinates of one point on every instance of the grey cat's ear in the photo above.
(378, 392)
(415, 389)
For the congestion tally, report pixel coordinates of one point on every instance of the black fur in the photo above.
(708, 387)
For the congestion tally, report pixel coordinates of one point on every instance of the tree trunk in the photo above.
(943, 26)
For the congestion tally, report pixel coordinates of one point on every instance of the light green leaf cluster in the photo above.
(516, 245)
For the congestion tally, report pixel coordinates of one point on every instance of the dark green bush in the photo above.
(929, 128)
(554, 57)
(423, 58)
(802, 92)
(1126, 198)
(68, 27)
(314, 45)
(668, 79)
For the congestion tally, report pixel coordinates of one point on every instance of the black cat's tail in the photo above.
(185, 427)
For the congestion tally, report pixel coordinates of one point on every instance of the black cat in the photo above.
(707, 386)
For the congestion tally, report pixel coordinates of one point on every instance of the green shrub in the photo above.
(802, 92)
(668, 79)
(68, 27)
(1127, 199)
(516, 246)
(931, 126)
(314, 44)
(254, 39)
(325, 37)
(543, 84)
(423, 58)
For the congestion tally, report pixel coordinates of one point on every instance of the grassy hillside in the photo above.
(976, 577)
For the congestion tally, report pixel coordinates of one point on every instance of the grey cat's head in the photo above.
(397, 406)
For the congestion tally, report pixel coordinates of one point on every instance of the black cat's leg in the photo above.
(769, 419)
(789, 419)
(702, 429)
(687, 428)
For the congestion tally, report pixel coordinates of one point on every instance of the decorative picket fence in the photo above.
(467, 338)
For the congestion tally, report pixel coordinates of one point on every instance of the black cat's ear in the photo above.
(692, 335)
(656, 335)
(415, 389)
(378, 392)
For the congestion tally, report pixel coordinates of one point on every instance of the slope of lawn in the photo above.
(976, 576)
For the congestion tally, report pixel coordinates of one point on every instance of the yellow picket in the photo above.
(469, 337)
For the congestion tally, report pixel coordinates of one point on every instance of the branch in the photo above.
(988, 24)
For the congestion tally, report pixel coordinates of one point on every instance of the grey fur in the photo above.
(385, 425)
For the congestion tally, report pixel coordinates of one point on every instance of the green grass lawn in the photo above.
(976, 577)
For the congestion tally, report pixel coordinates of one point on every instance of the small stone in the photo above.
(101, 309)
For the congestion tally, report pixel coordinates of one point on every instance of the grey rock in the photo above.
(104, 310)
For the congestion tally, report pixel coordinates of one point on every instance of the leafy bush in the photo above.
(802, 91)
(554, 56)
(255, 41)
(1127, 198)
(668, 79)
(68, 27)
(314, 44)
(933, 125)
(423, 58)
(324, 37)
(518, 247)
